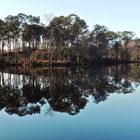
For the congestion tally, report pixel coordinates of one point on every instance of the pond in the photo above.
(98, 103)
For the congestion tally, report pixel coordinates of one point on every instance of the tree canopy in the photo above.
(24, 40)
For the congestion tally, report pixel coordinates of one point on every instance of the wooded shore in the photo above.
(64, 41)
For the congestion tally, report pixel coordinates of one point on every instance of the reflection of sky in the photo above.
(17, 80)
(116, 118)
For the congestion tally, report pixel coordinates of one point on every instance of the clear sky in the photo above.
(115, 14)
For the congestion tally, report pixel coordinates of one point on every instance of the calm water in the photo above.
(101, 103)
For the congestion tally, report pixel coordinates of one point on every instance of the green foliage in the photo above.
(69, 33)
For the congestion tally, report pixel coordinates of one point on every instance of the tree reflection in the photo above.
(63, 90)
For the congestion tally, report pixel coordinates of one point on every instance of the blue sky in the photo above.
(115, 14)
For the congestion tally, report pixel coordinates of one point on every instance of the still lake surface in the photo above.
(102, 103)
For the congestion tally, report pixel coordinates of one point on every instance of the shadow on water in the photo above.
(25, 91)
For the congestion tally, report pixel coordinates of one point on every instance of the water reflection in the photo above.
(25, 91)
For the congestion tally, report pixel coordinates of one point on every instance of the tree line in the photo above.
(66, 40)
